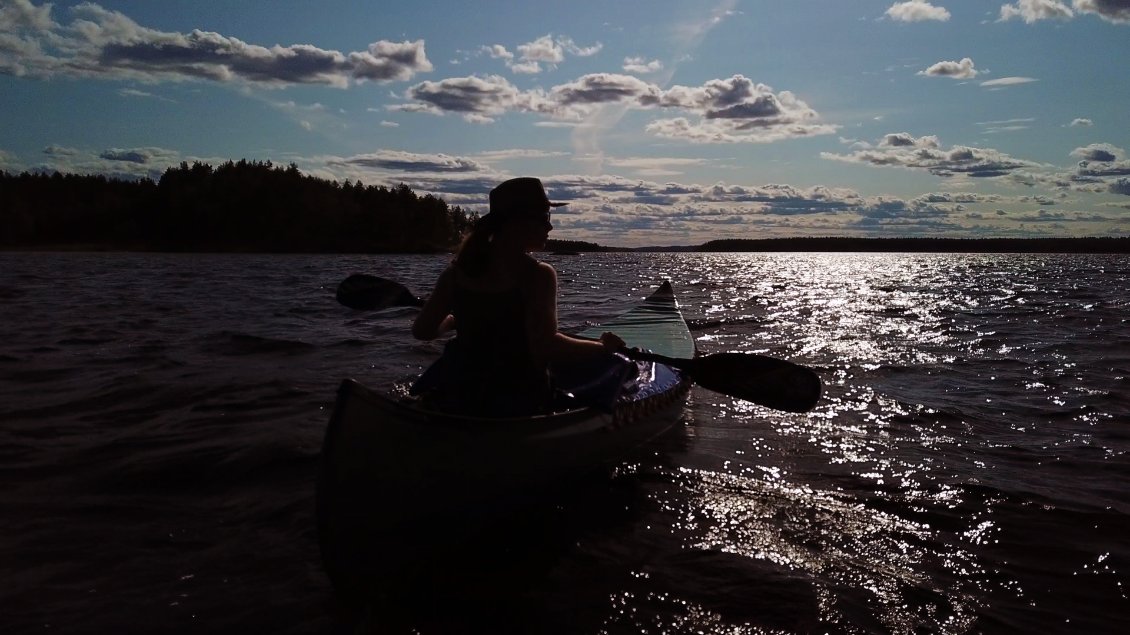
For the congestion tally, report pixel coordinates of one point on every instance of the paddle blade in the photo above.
(363, 291)
(768, 381)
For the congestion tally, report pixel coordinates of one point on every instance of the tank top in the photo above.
(491, 367)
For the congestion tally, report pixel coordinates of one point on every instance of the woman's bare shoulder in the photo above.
(538, 279)
(543, 273)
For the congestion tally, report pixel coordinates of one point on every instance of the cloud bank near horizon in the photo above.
(608, 208)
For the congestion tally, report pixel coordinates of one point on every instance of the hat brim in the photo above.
(557, 204)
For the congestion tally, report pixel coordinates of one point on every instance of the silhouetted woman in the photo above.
(502, 304)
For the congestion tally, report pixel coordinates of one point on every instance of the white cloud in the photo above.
(518, 153)
(957, 70)
(1103, 166)
(61, 151)
(1007, 81)
(735, 110)
(142, 156)
(641, 65)
(1018, 120)
(525, 68)
(498, 51)
(1035, 10)
(390, 61)
(917, 11)
(8, 161)
(720, 132)
(604, 88)
(1113, 11)
(488, 96)
(102, 43)
(926, 153)
(410, 162)
(546, 50)
(141, 94)
(293, 106)
(1007, 125)
(654, 166)
(581, 51)
(653, 162)
(1116, 11)
(1100, 152)
(126, 163)
(690, 32)
(1099, 166)
(725, 110)
(543, 49)
(22, 13)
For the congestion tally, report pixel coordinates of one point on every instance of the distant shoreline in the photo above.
(1095, 245)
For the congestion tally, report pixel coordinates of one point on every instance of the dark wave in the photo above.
(236, 343)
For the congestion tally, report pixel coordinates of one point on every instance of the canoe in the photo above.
(389, 464)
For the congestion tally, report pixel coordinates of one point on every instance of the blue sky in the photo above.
(660, 122)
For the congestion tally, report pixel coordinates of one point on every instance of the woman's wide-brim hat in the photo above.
(520, 197)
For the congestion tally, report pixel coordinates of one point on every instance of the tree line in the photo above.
(577, 246)
(238, 206)
(257, 206)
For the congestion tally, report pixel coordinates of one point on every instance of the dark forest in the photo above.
(244, 206)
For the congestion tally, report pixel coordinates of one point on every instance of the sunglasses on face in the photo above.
(542, 219)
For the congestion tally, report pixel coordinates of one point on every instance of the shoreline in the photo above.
(1091, 245)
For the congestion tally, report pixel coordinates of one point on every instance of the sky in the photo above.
(660, 122)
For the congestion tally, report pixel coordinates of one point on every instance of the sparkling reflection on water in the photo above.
(886, 499)
(966, 471)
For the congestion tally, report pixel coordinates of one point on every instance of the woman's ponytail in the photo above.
(473, 255)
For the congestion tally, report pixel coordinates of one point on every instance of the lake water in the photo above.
(966, 472)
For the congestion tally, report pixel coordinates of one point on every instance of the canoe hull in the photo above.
(397, 447)
(391, 468)
(398, 471)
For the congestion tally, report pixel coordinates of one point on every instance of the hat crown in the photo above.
(518, 195)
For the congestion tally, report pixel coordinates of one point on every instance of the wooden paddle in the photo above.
(768, 381)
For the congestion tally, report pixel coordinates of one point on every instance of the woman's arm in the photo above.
(435, 318)
(546, 342)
